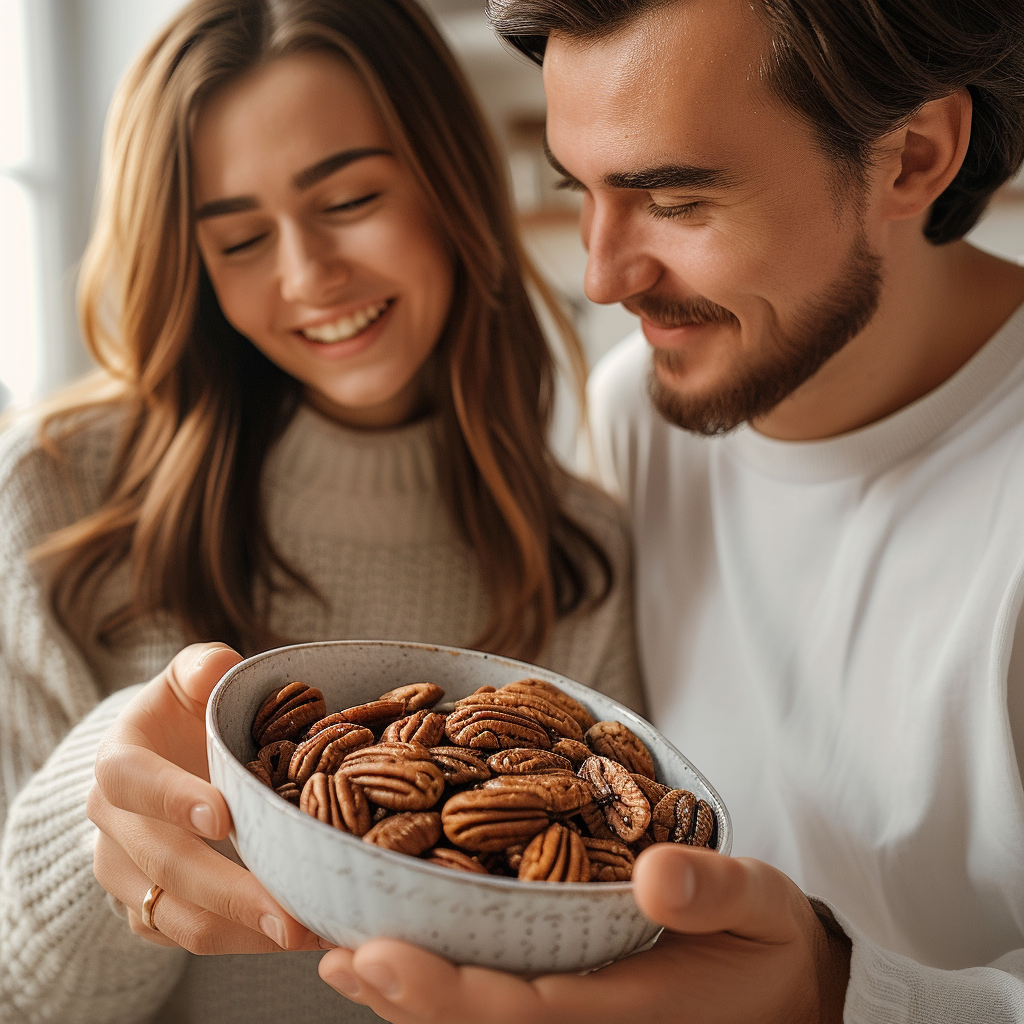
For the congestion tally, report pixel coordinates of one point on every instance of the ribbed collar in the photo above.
(316, 454)
(995, 369)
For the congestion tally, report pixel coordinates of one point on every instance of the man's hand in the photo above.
(743, 945)
(154, 805)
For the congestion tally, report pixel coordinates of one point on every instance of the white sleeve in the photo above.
(885, 987)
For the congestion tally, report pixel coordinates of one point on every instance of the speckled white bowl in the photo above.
(349, 891)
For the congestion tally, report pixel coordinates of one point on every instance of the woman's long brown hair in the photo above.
(203, 405)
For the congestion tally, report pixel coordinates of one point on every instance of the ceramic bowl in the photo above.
(349, 891)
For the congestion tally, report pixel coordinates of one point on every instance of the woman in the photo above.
(321, 413)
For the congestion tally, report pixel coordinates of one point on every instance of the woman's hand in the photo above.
(744, 945)
(153, 804)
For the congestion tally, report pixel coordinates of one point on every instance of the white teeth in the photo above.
(347, 327)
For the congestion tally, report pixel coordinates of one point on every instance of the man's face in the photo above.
(708, 210)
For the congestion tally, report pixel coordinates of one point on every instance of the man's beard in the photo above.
(823, 327)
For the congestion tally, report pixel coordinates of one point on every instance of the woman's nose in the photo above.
(309, 267)
(618, 265)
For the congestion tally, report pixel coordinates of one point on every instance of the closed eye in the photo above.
(679, 212)
(354, 204)
(570, 185)
(242, 246)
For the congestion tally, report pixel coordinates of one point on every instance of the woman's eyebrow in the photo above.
(303, 180)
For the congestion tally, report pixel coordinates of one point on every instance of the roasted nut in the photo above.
(353, 805)
(615, 741)
(459, 765)
(286, 713)
(259, 769)
(610, 860)
(390, 751)
(680, 817)
(374, 714)
(654, 791)
(290, 792)
(527, 761)
(318, 800)
(626, 810)
(325, 750)
(574, 750)
(481, 819)
(397, 785)
(556, 722)
(573, 708)
(487, 727)
(422, 726)
(562, 792)
(406, 833)
(514, 856)
(556, 855)
(454, 859)
(276, 757)
(415, 696)
(642, 843)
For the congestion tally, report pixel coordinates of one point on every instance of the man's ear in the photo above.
(924, 156)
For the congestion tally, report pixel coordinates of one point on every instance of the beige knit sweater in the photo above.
(361, 515)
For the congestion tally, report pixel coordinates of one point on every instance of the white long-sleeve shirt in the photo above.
(827, 631)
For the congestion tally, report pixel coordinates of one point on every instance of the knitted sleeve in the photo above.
(64, 954)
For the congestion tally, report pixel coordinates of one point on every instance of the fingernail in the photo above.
(382, 978)
(273, 927)
(204, 821)
(347, 984)
(325, 944)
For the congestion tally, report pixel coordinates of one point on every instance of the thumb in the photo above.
(196, 670)
(699, 892)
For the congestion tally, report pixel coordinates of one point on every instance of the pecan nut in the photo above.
(397, 785)
(561, 793)
(625, 809)
(286, 713)
(259, 769)
(619, 743)
(576, 751)
(610, 860)
(481, 819)
(325, 750)
(276, 757)
(527, 761)
(573, 708)
(487, 727)
(459, 765)
(555, 722)
(455, 859)
(654, 791)
(290, 792)
(422, 726)
(680, 817)
(555, 855)
(390, 751)
(410, 833)
(374, 714)
(415, 696)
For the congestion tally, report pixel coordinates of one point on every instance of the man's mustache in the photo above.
(668, 314)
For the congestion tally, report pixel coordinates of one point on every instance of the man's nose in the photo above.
(308, 266)
(618, 264)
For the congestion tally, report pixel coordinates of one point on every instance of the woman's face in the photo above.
(317, 238)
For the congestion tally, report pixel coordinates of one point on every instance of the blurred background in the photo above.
(59, 63)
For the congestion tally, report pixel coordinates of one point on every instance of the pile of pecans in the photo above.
(519, 781)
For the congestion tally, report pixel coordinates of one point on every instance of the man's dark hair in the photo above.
(856, 70)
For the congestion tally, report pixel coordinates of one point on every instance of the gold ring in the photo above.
(149, 905)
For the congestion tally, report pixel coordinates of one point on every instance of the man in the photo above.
(827, 498)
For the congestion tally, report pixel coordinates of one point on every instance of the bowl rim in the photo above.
(499, 883)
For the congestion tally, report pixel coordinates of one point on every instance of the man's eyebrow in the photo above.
(667, 176)
(670, 176)
(303, 180)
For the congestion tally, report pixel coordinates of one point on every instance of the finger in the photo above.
(142, 781)
(183, 865)
(699, 892)
(402, 982)
(178, 921)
